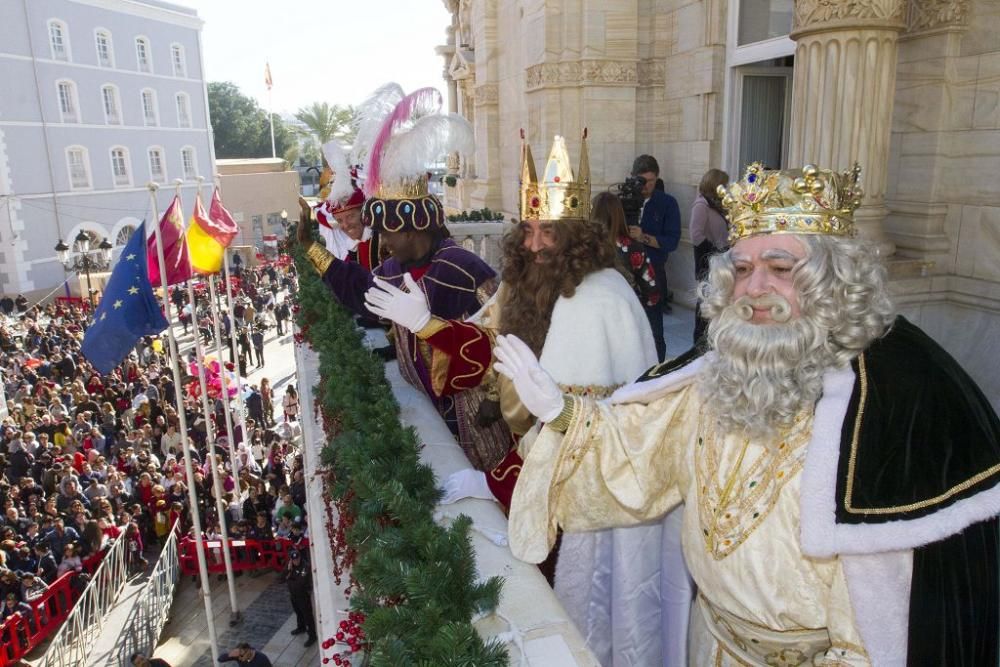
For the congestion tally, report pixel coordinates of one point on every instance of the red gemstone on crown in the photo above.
(555, 179)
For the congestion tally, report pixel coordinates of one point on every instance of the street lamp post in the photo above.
(85, 260)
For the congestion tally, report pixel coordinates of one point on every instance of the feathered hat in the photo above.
(344, 193)
(400, 136)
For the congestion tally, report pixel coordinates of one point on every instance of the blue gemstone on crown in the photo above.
(751, 178)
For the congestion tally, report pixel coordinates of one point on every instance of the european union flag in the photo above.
(127, 311)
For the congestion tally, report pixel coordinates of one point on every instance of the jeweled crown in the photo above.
(806, 201)
(559, 196)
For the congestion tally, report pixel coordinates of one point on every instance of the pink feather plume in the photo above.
(418, 103)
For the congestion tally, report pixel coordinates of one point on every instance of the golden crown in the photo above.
(810, 201)
(559, 196)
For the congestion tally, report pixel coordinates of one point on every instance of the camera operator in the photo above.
(659, 230)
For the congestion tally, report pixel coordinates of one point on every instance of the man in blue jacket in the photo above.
(659, 230)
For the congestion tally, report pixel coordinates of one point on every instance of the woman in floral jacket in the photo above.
(607, 211)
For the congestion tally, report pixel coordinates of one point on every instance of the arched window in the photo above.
(177, 60)
(157, 165)
(112, 106)
(143, 55)
(78, 167)
(124, 234)
(190, 163)
(59, 40)
(150, 112)
(105, 52)
(121, 171)
(183, 110)
(69, 106)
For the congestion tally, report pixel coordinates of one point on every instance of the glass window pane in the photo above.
(762, 121)
(764, 19)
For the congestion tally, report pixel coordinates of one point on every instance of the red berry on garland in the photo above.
(343, 625)
(326, 661)
(340, 636)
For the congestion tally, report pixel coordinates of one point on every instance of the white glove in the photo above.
(407, 309)
(536, 388)
(466, 483)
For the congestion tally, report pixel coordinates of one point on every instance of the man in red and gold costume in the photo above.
(563, 295)
(339, 213)
(409, 222)
(840, 470)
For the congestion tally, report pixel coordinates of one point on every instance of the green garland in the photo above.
(415, 580)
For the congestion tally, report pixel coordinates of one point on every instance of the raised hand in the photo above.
(536, 388)
(408, 309)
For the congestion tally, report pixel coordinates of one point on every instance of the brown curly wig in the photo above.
(532, 287)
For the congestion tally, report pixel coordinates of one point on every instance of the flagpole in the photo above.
(232, 341)
(236, 616)
(270, 113)
(225, 382)
(227, 285)
(206, 594)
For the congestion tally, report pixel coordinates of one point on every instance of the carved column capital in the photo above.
(821, 15)
(487, 94)
(924, 16)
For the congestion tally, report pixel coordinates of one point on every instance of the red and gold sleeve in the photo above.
(461, 354)
(503, 478)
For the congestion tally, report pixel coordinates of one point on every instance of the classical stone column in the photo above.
(843, 89)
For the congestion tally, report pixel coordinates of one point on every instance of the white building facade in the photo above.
(97, 99)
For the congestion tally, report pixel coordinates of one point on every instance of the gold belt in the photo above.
(751, 644)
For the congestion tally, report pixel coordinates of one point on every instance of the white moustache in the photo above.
(781, 310)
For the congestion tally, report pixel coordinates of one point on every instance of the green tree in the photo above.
(327, 121)
(240, 127)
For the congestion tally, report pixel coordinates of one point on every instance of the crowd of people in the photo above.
(87, 459)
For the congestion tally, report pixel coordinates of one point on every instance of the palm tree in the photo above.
(327, 121)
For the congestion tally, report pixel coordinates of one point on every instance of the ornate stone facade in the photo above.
(582, 73)
(910, 88)
(936, 15)
(812, 14)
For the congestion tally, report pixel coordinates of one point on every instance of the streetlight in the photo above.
(85, 260)
(284, 221)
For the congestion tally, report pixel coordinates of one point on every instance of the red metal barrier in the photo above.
(20, 634)
(245, 555)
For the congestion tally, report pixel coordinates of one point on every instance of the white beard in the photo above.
(763, 375)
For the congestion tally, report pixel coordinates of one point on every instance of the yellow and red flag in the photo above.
(209, 234)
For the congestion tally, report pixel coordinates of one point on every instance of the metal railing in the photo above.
(152, 608)
(71, 645)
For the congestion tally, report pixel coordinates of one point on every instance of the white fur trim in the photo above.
(879, 588)
(600, 336)
(650, 390)
(822, 536)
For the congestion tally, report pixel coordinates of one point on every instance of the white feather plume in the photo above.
(369, 117)
(336, 158)
(432, 137)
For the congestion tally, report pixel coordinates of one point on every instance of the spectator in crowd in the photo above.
(245, 655)
(140, 660)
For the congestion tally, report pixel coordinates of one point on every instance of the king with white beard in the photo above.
(840, 470)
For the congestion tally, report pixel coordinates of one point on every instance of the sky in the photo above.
(337, 51)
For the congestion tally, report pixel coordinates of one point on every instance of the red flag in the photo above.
(267, 76)
(175, 254)
(223, 220)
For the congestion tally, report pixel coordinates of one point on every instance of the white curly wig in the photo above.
(762, 376)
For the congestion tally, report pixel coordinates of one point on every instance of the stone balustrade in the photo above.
(482, 238)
